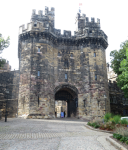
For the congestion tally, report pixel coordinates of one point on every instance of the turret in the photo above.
(47, 17)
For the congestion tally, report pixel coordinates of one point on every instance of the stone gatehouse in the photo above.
(55, 66)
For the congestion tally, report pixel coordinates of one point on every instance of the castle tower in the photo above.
(55, 66)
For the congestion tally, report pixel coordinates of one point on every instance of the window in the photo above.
(94, 54)
(71, 54)
(38, 49)
(125, 101)
(35, 24)
(81, 49)
(113, 99)
(38, 101)
(96, 77)
(58, 53)
(90, 31)
(66, 63)
(38, 73)
(66, 76)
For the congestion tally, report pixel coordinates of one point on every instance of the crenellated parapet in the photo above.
(42, 26)
(88, 28)
(83, 22)
(46, 18)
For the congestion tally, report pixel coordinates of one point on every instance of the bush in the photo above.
(117, 119)
(110, 126)
(124, 122)
(126, 142)
(107, 117)
(89, 124)
(117, 136)
(123, 139)
(122, 130)
(94, 124)
(103, 126)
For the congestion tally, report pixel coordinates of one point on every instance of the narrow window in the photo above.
(66, 76)
(96, 77)
(58, 53)
(38, 73)
(81, 49)
(90, 31)
(38, 49)
(94, 54)
(66, 63)
(35, 24)
(38, 101)
(71, 54)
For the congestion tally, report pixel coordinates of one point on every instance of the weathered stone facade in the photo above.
(9, 90)
(54, 66)
(118, 103)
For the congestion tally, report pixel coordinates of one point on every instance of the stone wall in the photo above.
(81, 70)
(9, 88)
(51, 62)
(118, 103)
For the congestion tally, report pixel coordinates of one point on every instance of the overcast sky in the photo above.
(112, 15)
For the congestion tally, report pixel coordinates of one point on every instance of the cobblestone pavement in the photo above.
(39, 134)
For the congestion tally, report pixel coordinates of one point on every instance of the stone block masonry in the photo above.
(52, 63)
(9, 90)
(55, 66)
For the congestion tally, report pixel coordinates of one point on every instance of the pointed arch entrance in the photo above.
(66, 100)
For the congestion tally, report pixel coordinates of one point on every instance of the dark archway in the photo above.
(67, 94)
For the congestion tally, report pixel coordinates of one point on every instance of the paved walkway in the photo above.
(57, 134)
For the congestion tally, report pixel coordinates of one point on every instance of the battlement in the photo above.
(45, 23)
(47, 12)
(47, 17)
(83, 22)
(83, 16)
(41, 27)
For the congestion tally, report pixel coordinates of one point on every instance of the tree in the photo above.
(119, 64)
(122, 79)
(4, 43)
(118, 56)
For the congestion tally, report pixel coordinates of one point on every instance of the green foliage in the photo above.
(107, 117)
(97, 126)
(118, 56)
(126, 142)
(122, 80)
(119, 64)
(117, 136)
(124, 122)
(110, 126)
(2, 62)
(4, 43)
(94, 124)
(111, 122)
(123, 139)
(117, 119)
(89, 124)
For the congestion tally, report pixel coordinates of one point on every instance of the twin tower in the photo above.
(55, 66)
